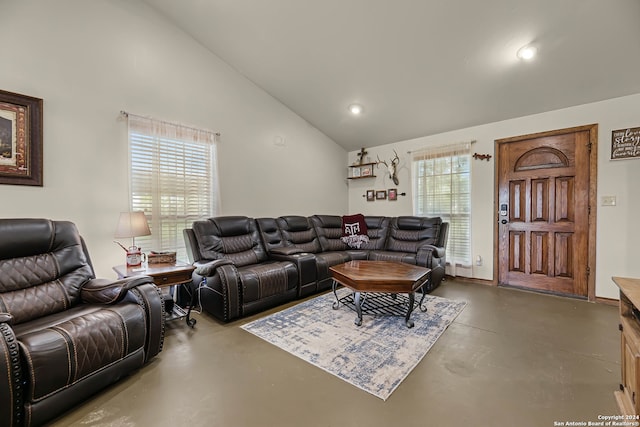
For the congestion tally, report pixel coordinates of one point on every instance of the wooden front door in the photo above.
(546, 211)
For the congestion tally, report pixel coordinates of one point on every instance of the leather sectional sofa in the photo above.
(246, 265)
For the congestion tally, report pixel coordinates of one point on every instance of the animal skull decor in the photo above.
(392, 168)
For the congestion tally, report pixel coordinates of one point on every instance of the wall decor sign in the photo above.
(20, 139)
(371, 195)
(625, 143)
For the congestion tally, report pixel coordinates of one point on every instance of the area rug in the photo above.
(375, 357)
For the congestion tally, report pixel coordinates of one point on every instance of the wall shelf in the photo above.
(361, 171)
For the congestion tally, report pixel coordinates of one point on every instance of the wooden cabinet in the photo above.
(363, 170)
(628, 397)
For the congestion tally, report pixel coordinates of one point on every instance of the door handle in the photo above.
(504, 221)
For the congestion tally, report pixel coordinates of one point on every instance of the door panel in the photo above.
(543, 241)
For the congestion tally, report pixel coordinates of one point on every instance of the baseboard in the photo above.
(598, 300)
(470, 280)
(608, 301)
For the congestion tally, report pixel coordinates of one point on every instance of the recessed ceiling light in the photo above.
(355, 109)
(527, 52)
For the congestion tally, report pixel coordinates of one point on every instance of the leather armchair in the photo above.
(64, 334)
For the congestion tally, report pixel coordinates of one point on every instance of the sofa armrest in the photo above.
(209, 269)
(149, 296)
(306, 264)
(437, 251)
(104, 291)
(11, 377)
(432, 257)
(221, 278)
(139, 289)
(286, 250)
(6, 318)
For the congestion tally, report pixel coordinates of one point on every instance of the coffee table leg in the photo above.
(336, 303)
(358, 304)
(412, 299)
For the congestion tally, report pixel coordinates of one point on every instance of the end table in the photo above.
(163, 275)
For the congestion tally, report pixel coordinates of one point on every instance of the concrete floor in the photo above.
(512, 358)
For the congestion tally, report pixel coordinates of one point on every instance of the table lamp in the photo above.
(132, 224)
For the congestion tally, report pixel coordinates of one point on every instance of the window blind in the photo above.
(173, 180)
(442, 187)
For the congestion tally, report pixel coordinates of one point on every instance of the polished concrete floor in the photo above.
(512, 358)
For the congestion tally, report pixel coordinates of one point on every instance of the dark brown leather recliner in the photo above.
(234, 277)
(419, 241)
(64, 334)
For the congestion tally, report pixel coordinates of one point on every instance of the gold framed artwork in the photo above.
(20, 139)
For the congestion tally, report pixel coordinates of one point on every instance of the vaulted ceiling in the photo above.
(420, 67)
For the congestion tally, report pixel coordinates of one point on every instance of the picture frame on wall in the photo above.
(371, 196)
(20, 139)
(365, 171)
(355, 172)
(393, 194)
(381, 194)
(625, 143)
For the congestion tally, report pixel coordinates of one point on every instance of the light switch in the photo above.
(608, 200)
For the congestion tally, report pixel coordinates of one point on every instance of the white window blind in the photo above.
(442, 187)
(173, 180)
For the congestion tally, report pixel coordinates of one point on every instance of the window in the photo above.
(442, 187)
(173, 180)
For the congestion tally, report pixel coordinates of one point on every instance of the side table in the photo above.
(163, 275)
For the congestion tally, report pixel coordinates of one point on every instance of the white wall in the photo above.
(90, 59)
(618, 233)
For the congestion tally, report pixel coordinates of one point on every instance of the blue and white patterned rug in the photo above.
(376, 357)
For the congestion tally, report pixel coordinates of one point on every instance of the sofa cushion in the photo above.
(232, 237)
(407, 234)
(299, 232)
(267, 279)
(47, 276)
(406, 257)
(64, 348)
(329, 231)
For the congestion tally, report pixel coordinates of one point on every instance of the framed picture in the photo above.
(365, 171)
(381, 194)
(393, 194)
(625, 143)
(371, 195)
(20, 139)
(355, 172)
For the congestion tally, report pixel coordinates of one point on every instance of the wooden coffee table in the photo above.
(387, 280)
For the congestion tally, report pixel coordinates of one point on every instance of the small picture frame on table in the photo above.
(381, 194)
(393, 194)
(371, 196)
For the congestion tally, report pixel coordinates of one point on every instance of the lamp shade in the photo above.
(132, 224)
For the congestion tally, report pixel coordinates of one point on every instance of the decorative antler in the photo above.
(396, 159)
(392, 167)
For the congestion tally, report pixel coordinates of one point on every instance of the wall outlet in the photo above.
(608, 200)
